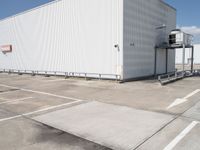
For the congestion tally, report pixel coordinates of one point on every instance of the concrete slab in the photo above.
(14, 95)
(193, 112)
(147, 94)
(64, 142)
(191, 141)
(113, 126)
(21, 132)
(4, 89)
(5, 114)
(166, 136)
(22, 102)
(25, 134)
(33, 104)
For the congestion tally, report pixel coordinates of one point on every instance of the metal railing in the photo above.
(177, 75)
(65, 74)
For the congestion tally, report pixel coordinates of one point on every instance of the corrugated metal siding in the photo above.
(171, 24)
(161, 61)
(197, 53)
(141, 17)
(179, 55)
(67, 36)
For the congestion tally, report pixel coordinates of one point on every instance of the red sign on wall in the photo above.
(6, 48)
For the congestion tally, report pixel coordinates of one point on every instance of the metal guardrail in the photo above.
(177, 75)
(163, 79)
(65, 74)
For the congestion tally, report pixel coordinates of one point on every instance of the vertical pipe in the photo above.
(183, 61)
(155, 62)
(166, 61)
(192, 60)
(118, 69)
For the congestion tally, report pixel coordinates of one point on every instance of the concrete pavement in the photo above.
(24, 97)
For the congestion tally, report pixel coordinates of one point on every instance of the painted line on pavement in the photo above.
(40, 110)
(16, 100)
(178, 138)
(10, 118)
(44, 93)
(179, 101)
(192, 94)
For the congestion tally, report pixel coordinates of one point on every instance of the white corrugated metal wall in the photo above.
(179, 55)
(67, 36)
(141, 17)
(79, 36)
(197, 54)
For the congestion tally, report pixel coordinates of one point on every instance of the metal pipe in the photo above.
(67, 74)
(155, 62)
(183, 61)
(166, 61)
(192, 60)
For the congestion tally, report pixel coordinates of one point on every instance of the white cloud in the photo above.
(194, 30)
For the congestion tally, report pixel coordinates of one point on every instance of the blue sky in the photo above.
(188, 12)
(11, 7)
(188, 16)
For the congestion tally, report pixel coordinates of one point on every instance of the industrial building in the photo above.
(112, 39)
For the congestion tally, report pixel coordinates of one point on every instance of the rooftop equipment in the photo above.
(178, 38)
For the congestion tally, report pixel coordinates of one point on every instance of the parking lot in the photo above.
(24, 98)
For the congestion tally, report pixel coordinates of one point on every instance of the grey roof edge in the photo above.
(29, 10)
(168, 5)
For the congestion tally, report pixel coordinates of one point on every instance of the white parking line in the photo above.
(75, 100)
(172, 144)
(10, 118)
(52, 107)
(44, 93)
(11, 101)
(192, 94)
(40, 110)
(183, 100)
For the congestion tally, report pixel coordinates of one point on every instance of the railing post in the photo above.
(192, 60)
